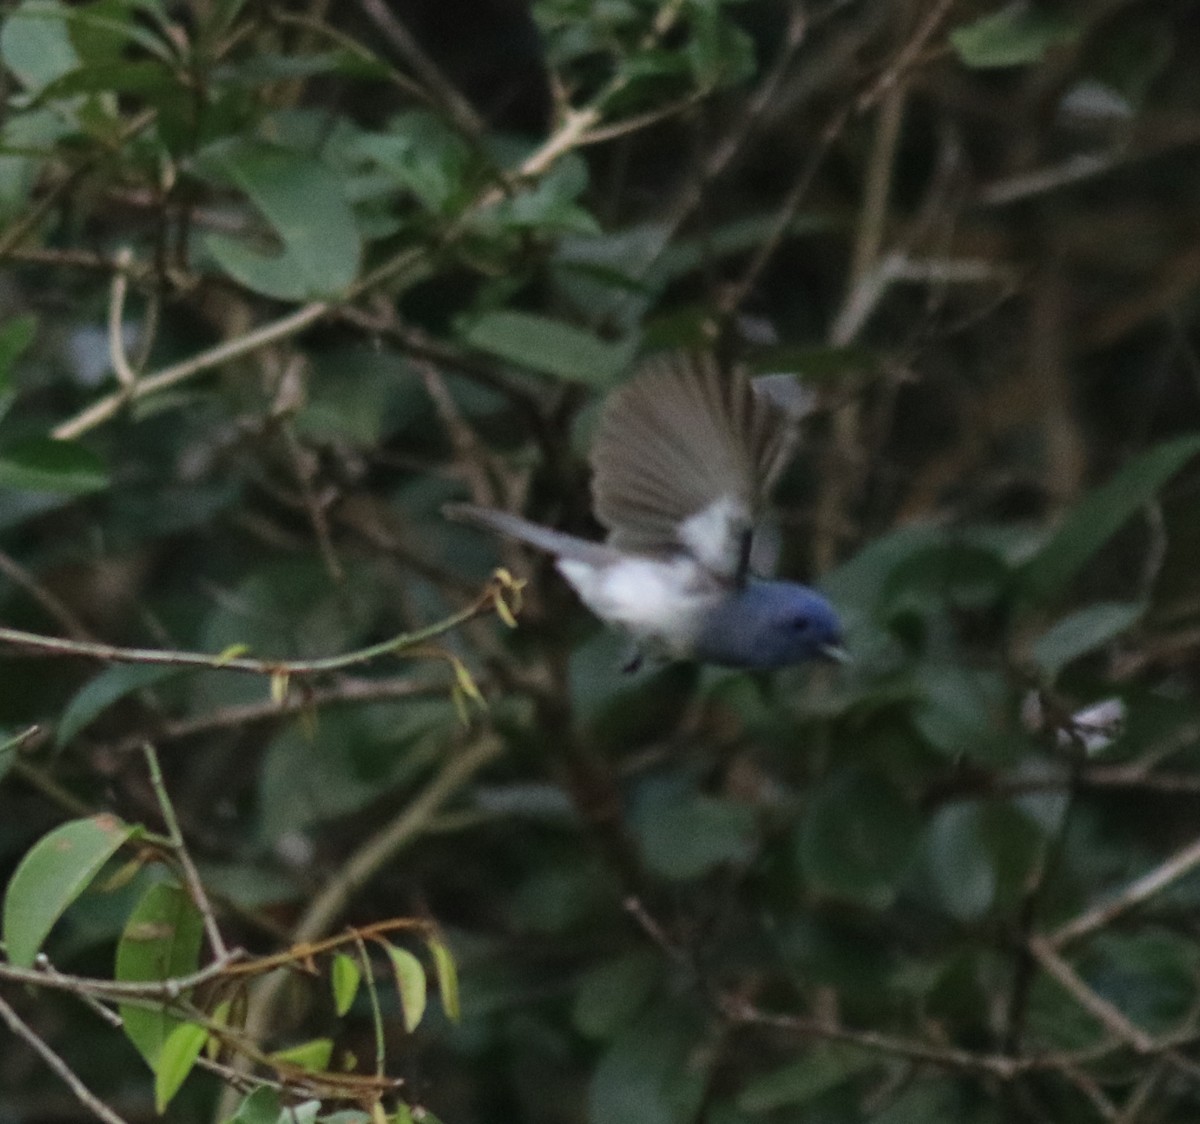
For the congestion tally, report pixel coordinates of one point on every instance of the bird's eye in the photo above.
(800, 624)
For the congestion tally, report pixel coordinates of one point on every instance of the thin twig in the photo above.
(126, 376)
(191, 876)
(376, 1011)
(110, 653)
(83, 1094)
(470, 455)
(442, 91)
(947, 1057)
(110, 405)
(1113, 1020)
(349, 691)
(840, 486)
(42, 782)
(1133, 895)
(155, 991)
(49, 602)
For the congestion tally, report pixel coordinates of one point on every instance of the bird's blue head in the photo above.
(770, 624)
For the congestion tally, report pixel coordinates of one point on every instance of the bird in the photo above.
(683, 460)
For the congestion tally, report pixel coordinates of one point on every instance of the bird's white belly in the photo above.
(661, 603)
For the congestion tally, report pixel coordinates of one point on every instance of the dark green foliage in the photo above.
(280, 284)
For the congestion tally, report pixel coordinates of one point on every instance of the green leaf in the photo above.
(161, 941)
(958, 711)
(651, 1073)
(1017, 34)
(260, 1107)
(314, 1055)
(611, 993)
(15, 337)
(858, 837)
(684, 833)
(410, 983)
(1096, 518)
(546, 204)
(35, 43)
(932, 1101)
(23, 135)
(101, 30)
(824, 1066)
(961, 863)
(1148, 976)
(147, 78)
(1083, 632)
(447, 977)
(859, 583)
(55, 871)
(306, 206)
(96, 696)
(957, 573)
(42, 464)
(979, 855)
(344, 977)
(545, 345)
(418, 153)
(719, 52)
(175, 1062)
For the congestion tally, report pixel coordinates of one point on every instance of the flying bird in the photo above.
(683, 462)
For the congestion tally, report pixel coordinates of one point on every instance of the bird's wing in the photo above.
(684, 458)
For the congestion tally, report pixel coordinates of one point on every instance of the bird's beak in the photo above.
(834, 653)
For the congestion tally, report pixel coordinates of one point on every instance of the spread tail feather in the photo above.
(558, 543)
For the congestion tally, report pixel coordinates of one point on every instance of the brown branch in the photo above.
(946, 1057)
(155, 991)
(1113, 1020)
(502, 586)
(1137, 892)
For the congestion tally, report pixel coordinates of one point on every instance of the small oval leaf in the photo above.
(1015, 35)
(549, 346)
(57, 869)
(447, 978)
(410, 983)
(314, 1055)
(344, 977)
(305, 204)
(857, 839)
(175, 1061)
(161, 941)
(260, 1107)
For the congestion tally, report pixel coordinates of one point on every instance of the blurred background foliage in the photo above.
(282, 278)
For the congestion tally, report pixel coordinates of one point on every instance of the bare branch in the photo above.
(83, 1094)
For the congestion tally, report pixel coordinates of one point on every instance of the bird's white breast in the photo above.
(659, 602)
